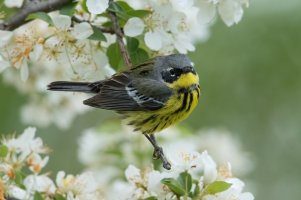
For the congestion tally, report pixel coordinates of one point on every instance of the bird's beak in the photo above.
(188, 69)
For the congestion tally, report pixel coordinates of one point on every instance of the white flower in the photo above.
(171, 25)
(41, 183)
(183, 157)
(80, 187)
(13, 3)
(36, 162)
(82, 30)
(97, 6)
(134, 27)
(5, 37)
(16, 192)
(25, 144)
(64, 183)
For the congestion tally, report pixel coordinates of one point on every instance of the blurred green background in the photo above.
(251, 81)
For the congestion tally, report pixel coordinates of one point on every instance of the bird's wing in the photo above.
(121, 93)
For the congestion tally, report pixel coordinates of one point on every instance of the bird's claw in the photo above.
(158, 154)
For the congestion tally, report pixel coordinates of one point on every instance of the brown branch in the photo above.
(102, 29)
(31, 7)
(119, 38)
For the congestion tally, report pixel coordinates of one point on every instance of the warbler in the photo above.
(151, 96)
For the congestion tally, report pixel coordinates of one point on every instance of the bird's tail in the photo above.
(86, 87)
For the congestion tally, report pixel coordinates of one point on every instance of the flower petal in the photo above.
(61, 22)
(153, 40)
(206, 12)
(82, 31)
(210, 172)
(132, 174)
(231, 11)
(134, 27)
(16, 192)
(36, 53)
(97, 6)
(13, 3)
(5, 37)
(3, 64)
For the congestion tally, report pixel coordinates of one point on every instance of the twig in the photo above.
(102, 29)
(31, 7)
(119, 38)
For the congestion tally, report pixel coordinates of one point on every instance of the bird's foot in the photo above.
(158, 154)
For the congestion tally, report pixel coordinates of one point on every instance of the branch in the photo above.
(102, 29)
(119, 38)
(33, 6)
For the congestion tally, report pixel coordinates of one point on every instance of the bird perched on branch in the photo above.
(151, 96)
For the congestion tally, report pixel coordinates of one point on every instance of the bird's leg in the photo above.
(158, 151)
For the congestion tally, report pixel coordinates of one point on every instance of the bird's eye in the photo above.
(172, 72)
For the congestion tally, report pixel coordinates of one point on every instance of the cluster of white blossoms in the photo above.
(198, 178)
(43, 54)
(193, 175)
(175, 24)
(22, 160)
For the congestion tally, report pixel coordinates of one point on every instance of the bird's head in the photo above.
(177, 71)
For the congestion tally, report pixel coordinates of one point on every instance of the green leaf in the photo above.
(84, 6)
(114, 7)
(97, 35)
(40, 15)
(38, 196)
(68, 9)
(174, 186)
(3, 151)
(114, 56)
(59, 197)
(138, 13)
(19, 176)
(151, 198)
(186, 181)
(120, 9)
(132, 44)
(216, 187)
(139, 56)
(125, 7)
(108, 24)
